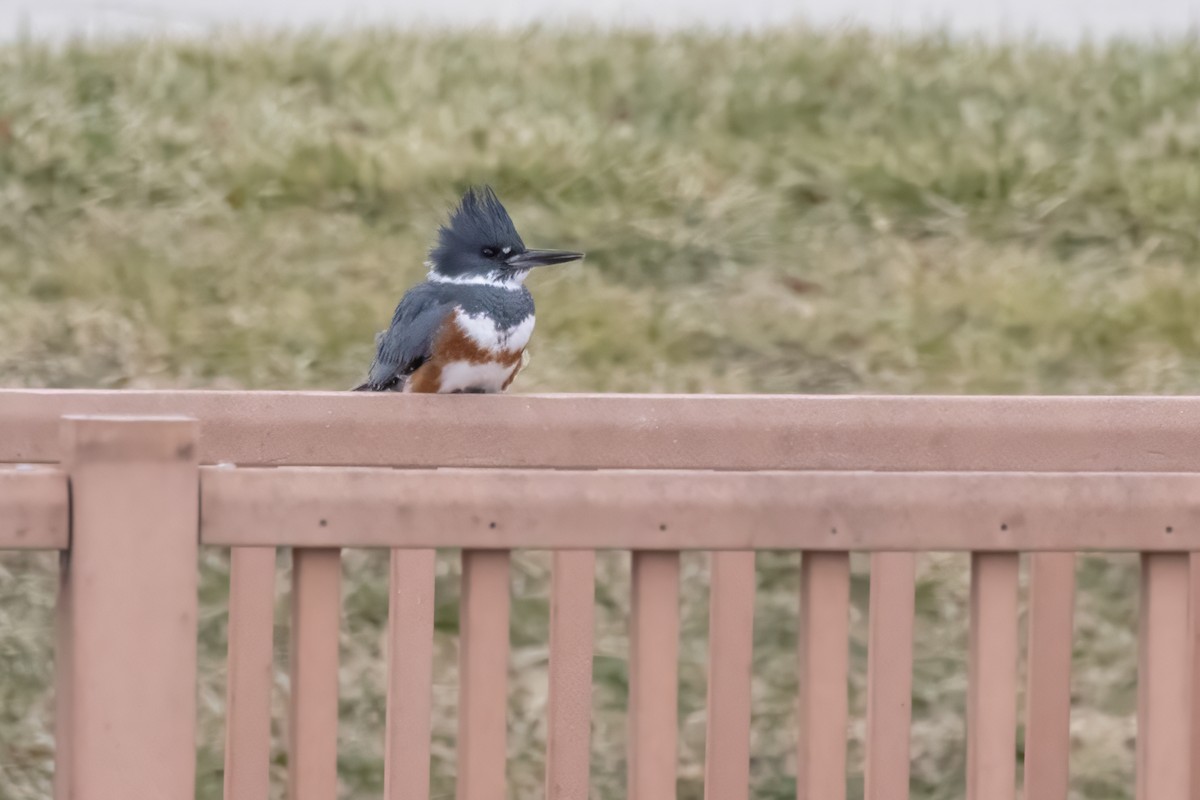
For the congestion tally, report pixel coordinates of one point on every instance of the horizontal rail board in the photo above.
(681, 510)
(34, 509)
(1041, 434)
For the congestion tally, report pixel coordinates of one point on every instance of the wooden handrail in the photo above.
(727, 432)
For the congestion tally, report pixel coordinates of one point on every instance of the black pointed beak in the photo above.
(541, 258)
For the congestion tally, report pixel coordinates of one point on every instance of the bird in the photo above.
(464, 329)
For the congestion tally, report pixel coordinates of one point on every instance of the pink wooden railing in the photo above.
(131, 498)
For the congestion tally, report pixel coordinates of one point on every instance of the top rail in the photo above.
(729, 432)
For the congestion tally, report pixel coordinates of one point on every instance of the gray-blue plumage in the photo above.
(408, 341)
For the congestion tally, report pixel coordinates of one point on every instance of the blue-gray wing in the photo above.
(408, 341)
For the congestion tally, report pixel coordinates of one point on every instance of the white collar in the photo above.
(512, 281)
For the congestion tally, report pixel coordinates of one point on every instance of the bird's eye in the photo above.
(489, 252)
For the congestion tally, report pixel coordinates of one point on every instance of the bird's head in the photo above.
(480, 244)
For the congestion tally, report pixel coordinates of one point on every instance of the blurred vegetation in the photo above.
(778, 212)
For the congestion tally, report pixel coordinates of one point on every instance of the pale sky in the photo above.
(1066, 20)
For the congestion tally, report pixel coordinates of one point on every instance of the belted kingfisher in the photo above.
(465, 328)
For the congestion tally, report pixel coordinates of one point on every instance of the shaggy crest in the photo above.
(479, 220)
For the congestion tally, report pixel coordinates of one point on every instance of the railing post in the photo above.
(313, 703)
(889, 676)
(1048, 676)
(569, 704)
(730, 668)
(409, 712)
(127, 610)
(1163, 751)
(1194, 647)
(992, 677)
(824, 653)
(653, 722)
(483, 675)
(250, 673)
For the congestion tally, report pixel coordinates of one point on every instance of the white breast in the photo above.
(489, 377)
(484, 332)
